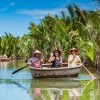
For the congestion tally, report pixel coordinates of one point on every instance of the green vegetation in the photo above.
(65, 95)
(89, 90)
(46, 95)
(80, 29)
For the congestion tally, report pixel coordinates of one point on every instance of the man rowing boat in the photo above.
(36, 60)
(74, 59)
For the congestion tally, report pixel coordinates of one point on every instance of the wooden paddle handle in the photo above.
(92, 76)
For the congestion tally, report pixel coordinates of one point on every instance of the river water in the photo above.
(21, 86)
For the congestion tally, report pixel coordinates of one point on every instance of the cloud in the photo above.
(3, 9)
(7, 6)
(88, 6)
(40, 13)
(12, 4)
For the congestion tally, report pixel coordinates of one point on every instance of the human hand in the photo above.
(51, 54)
(73, 56)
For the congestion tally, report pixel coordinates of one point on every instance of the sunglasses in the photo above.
(56, 52)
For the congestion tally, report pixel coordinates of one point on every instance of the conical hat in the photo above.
(73, 49)
(37, 51)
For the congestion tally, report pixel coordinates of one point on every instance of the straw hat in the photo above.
(73, 49)
(57, 51)
(36, 52)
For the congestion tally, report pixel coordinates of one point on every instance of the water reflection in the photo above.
(55, 89)
(37, 94)
(4, 65)
(55, 94)
(12, 64)
(55, 83)
(87, 91)
(63, 89)
(22, 86)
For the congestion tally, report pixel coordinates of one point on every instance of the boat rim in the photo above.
(46, 68)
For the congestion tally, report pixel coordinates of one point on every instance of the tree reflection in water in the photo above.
(45, 89)
(53, 89)
(36, 94)
(54, 94)
(4, 65)
(78, 93)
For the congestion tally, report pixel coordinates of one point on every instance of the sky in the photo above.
(16, 15)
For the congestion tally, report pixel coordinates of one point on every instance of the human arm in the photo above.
(43, 60)
(61, 60)
(29, 62)
(32, 60)
(51, 58)
(78, 60)
(71, 58)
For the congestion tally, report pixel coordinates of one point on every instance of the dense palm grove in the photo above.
(80, 29)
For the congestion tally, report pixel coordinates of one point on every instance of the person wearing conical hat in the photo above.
(55, 58)
(35, 61)
(5, 56)
(74, 59)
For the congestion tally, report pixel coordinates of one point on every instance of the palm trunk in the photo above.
(98, 61)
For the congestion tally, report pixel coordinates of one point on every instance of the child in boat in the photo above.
(36, 60)
(55, 59)
(74, 59)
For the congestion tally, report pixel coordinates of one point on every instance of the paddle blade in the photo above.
(18, 70)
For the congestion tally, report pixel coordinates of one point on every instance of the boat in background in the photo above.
(4, 58)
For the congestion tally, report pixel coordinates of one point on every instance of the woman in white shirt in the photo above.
(74, 59)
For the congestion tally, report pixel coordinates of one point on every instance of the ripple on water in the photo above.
(7, 74)
(21, 75)
(82, 77)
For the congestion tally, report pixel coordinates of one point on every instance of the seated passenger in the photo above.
(55, 59)
(36, 60)
(74, 59)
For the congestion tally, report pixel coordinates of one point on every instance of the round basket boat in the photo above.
(46, 72)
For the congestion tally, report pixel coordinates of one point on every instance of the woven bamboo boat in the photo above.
(46, 72)
(4, 60)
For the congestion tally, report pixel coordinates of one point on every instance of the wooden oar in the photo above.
(19, 69)
(92, 76)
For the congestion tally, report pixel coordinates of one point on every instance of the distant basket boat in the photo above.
(3, 59)
(61, 72)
